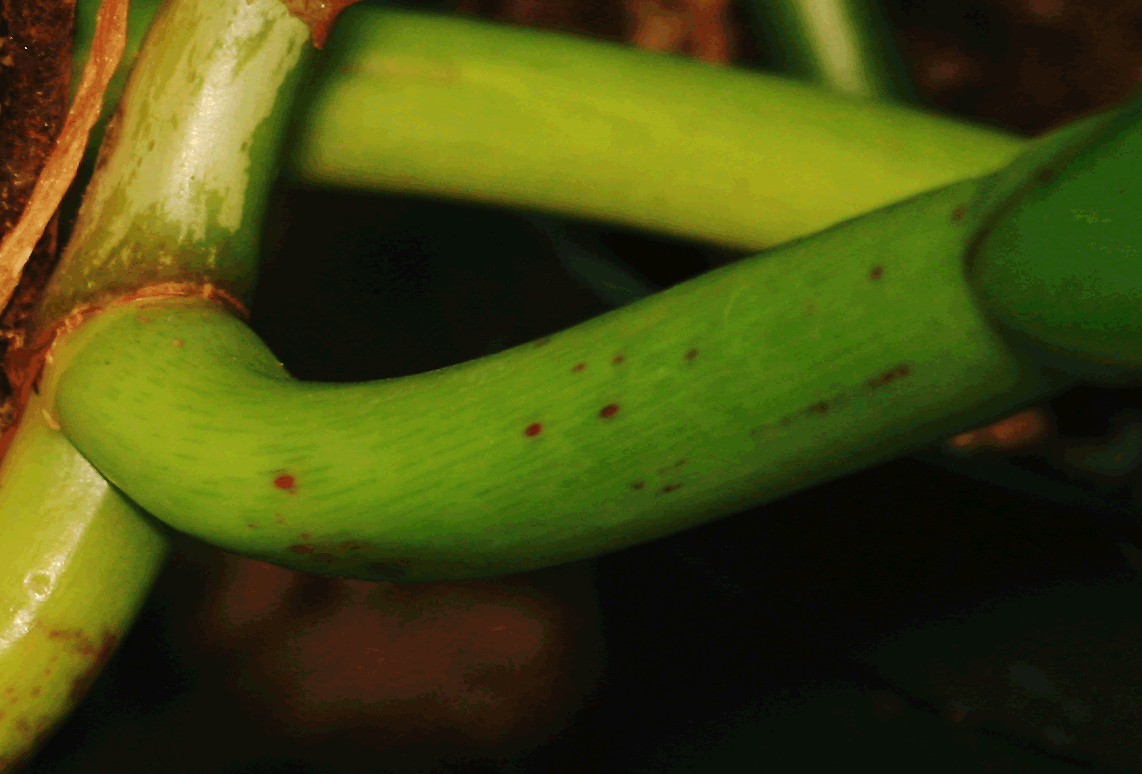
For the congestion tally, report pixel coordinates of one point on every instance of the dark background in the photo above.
(754, 623)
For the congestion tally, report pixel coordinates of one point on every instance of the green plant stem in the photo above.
(80, 558)
(1071, 235)
(748, 383)
(850, 159)
(464, 109)
(179, 194)
(79, 561)
(841, 45)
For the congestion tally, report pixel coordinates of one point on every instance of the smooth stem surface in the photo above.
(465, 109)
(753, 381)
(79, 561)
(345, 85)
(1060, 270)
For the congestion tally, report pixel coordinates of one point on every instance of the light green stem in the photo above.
(463, 109)
(841, 45)
(773, 374)
(79, 557)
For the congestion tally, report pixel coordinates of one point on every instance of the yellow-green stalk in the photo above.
(466, 109)
(79, 557)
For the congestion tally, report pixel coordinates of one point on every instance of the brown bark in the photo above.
(35, 70)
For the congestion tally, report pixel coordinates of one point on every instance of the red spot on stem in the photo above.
(285, 481)
(692, 354)
(579, 367)
(876, 273)
(609, 410)
(533, 430)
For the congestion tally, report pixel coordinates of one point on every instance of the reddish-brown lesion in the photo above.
(1021, 430)
(320, 15)
(24, 364)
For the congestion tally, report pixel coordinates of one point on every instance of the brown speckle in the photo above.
(959, 212)
(304, 536)
(638, 484)
(889, 376)
(388, 570)
(176, 342)
(533, 430)
(285, 481)
(670, 488)
(609, 410)
(876, 273)
(252, 526)
(617, 359)
(692, 354)
(100, 656)
(818, 408)
(37, 691)
(142, 318)
(579, 367)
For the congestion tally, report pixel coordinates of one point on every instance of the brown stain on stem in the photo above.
(24, 364)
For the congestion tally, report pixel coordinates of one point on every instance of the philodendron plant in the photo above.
(916, 277)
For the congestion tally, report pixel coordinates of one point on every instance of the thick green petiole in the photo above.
(803, 363)
(79, 557)
(179, 193)
(751, 382)
(459, 108)
(1071, 234)
(79, 560)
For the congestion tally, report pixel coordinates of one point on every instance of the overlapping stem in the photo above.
(79, 556)
(466, 109)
